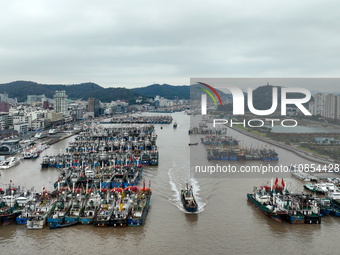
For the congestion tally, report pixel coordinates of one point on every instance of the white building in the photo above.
(331, 103)
(60, 102)
(21, 128)
(38, 124)
(19, 119)
(319, 106)
(337, 109)
(163, 102)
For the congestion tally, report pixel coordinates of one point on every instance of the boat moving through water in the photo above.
(188, 199)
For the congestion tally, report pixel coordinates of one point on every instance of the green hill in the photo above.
(165, 90)
(20, 90)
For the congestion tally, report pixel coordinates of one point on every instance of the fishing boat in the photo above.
(153, 158)
(119, 177)
(91, 209)
(106, 178)
(295, 217)
(103, 216)
(13, 202)
(301, 176)
(287, 207)
(45, 162)
(10, 211)
(335, 198)
(191, 144)
(174, 125)
(43, 206)
(140, 206)
(188, 199)
(52, 161)
(262, 199)
(326, 207)
(64, 178)
(308, 207)
(121, 210)
(63, 206)
(26, 213)
(133, 176)
(299, 173)
(25, 201)
(77, 208)
(9, 162)
(320, 188)
(145, 158)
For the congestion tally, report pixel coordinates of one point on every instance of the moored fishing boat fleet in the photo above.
(279, 203)
(116, 147)
(223, 147)
(220, 146)
(102, 207)
(97, 183)
(234, 153)
(140, 119)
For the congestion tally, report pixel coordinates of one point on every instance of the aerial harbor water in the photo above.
(225, 221)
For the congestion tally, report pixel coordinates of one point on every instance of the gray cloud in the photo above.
(136, 43)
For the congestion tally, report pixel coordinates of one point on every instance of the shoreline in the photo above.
(49, 141)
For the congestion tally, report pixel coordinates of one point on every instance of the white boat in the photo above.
(321, 187)
(330, 186)
(334, 195)
(40, 135)
(9, 162)
(30, 154)
(53, 131)
(300, 174)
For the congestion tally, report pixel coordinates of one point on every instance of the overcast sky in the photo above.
(138, 43)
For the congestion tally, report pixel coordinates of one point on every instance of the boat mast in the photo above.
(271, 185)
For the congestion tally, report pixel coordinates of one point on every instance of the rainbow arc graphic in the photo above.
(204, 97)
(209, 93)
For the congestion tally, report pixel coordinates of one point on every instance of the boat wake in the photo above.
(176, 185)
(196, 189)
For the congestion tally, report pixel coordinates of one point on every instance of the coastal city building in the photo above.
(4, 106)
(35, 98)
(4, 98)
(331, 102)
(93, 105)
(327, 106)
(319, 105)
(60, 102)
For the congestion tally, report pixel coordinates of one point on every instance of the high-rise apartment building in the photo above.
(93, 105)
(60, 102)
(331, 103)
